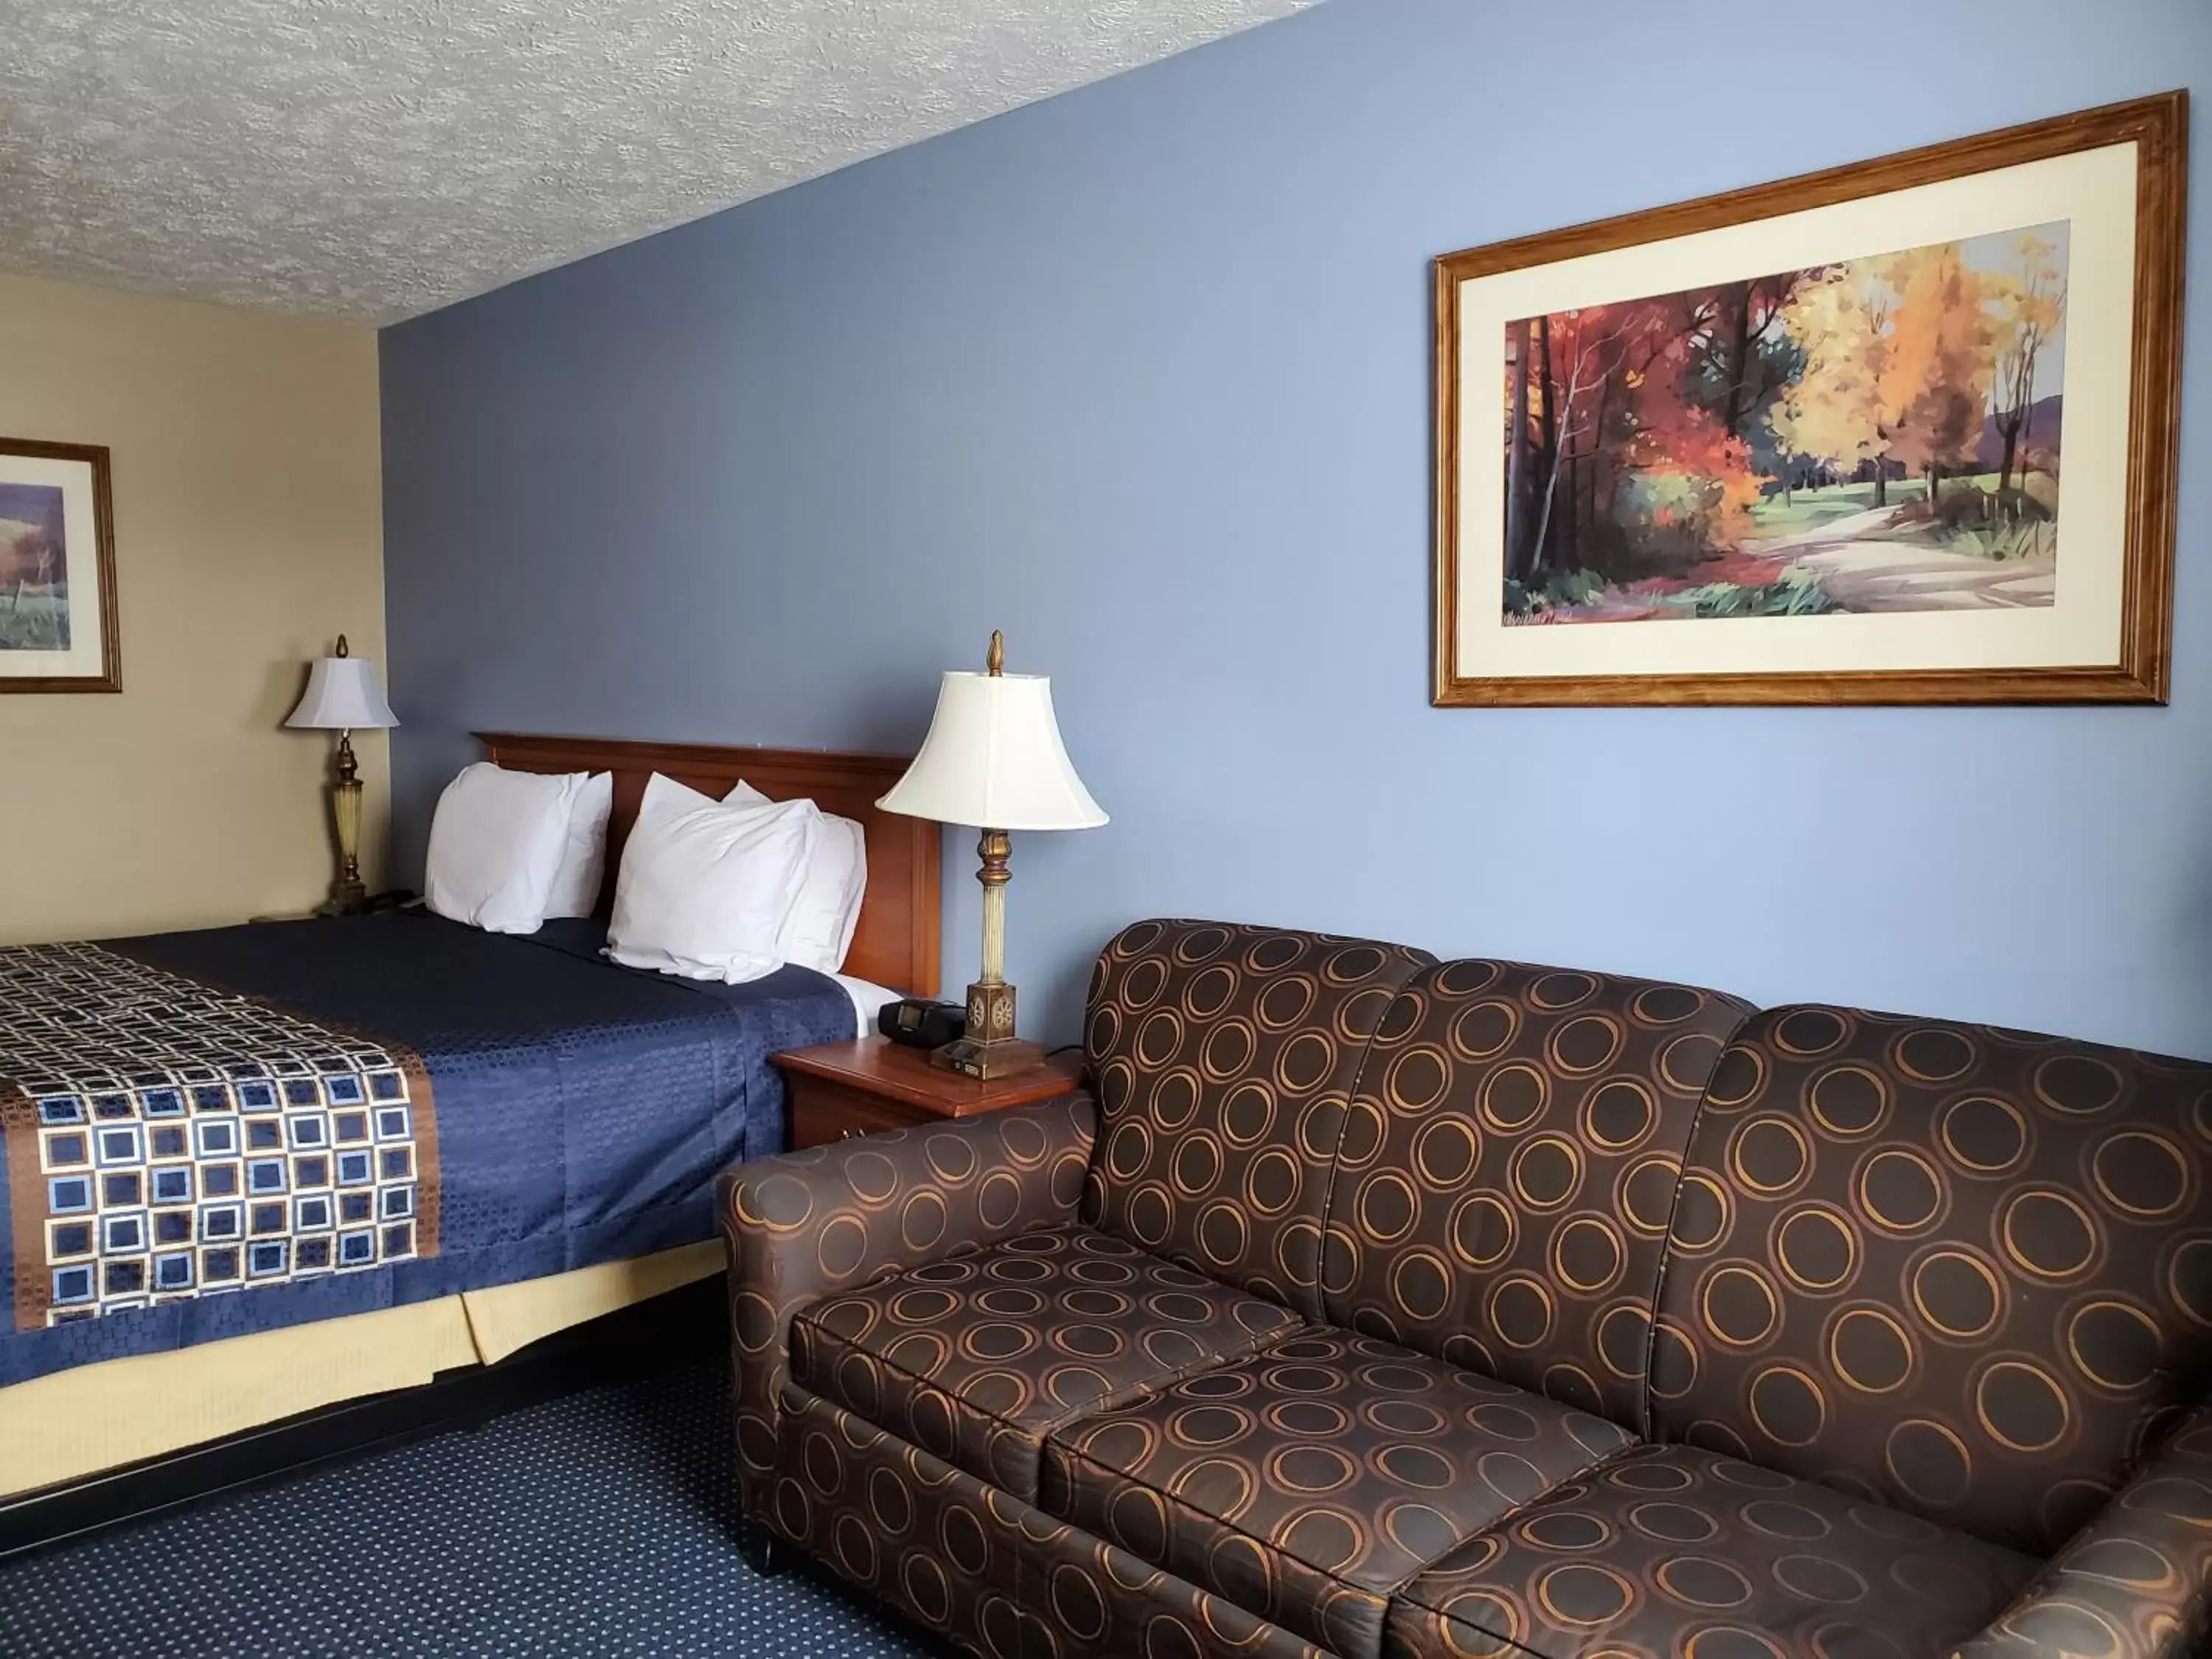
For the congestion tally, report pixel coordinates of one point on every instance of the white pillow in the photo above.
(703, 890)
(661, 793)
(576, 888)
(819, 930)
(495, 845)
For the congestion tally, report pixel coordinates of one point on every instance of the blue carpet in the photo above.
(599, 1524)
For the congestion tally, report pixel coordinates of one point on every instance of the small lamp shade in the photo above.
(341, 695)
(993, 759)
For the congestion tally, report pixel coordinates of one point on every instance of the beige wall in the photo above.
(248, 535)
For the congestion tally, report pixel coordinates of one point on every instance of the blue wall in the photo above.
(1147, 364)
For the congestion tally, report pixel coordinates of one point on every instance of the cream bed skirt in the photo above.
(78, 1422)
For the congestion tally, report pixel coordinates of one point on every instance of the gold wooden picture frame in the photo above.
(58, 612)
(1803, 443)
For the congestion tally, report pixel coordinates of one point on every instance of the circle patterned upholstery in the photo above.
(1960, 1271)
(1669, 1551)
(937, 1545)
(1508, 1169)
(1308, 1482)
(2130, 1585)
(979, 1565)
(1928, 1293)
(811, 1223)
(1222, 1057)
(977, 1358)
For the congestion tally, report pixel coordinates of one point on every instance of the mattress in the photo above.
(216, 1133)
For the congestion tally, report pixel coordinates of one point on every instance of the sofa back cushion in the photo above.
(1508, 1170)
(1964, 1272)
(1223, 1056)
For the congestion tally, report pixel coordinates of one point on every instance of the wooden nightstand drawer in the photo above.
(844, 1089)
(822, 1112)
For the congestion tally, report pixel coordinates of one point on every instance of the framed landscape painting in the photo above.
(1901, 431)
(57, 569)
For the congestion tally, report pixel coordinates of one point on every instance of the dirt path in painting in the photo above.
(1874, 576)
(1865, 566)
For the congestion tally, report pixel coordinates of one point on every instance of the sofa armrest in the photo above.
(2136, 1582)
(810, 1224)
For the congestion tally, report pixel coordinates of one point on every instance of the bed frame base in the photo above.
(685, 1325)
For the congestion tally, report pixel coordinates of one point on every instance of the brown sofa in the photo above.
(1376, 1305)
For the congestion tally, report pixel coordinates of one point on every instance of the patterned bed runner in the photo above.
(164, 1139)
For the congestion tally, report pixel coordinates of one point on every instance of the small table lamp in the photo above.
(993, 759)
(341, 697)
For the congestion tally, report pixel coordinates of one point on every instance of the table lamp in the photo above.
(993, 760)
(341, 697)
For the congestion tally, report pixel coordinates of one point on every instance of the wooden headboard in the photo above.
(895, 942)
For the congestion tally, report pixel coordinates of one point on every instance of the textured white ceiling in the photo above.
(371, 158)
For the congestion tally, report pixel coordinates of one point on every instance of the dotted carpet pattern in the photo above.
(601, 1524)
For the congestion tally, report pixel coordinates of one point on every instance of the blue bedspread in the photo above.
(573, 1113)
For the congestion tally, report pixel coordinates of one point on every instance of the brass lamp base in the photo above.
(348, 895)
(347, 898)
(990, 1050)
(988, 1061)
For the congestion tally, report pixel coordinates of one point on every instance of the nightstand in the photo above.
(844, 1089)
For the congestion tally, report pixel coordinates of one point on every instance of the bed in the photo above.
(255, 1170)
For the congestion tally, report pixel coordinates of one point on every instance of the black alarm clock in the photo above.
(920, 1023)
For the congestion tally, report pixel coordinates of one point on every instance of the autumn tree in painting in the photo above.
(1832, 415)
(1879, 434)
(2035, 308)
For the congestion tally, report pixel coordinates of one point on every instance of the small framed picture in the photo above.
(1901, 431)
(57, 625)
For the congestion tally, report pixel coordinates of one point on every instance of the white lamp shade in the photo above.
(993, 759)
(341, 695)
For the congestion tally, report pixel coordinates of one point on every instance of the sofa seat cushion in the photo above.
(1670, 1550)
(977, 1358)
(1306, 1483)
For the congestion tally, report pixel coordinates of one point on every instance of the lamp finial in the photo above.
(996, 662)
(343, 651)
